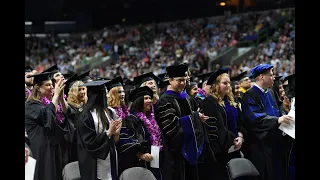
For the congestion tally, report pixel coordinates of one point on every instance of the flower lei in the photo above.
(152, 127)
(122, 111)
(202, 92)
(59, 114)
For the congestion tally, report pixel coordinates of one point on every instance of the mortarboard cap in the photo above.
(138, 80)
(163, 83)
(215, 74)
(39, 78)
(52, 69)
(67, 75)
(138, 92)
(277, 78)
(118, 81)
(95, 86)
(103, 78)
(177, 70)
(161, 76)
(28, 69)
(239, 77)
(259, 69)
(70, 82)
(289, 78)
(84, 77)
(128, 82)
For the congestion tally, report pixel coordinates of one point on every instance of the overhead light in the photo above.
(222, 3)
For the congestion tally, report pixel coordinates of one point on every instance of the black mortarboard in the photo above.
(239, 77)
(138, 92)
(67, 75)
(161, 76)
(52, 69)
(28, 69)
(290, 78)
(277, 78)
(84, 77)
(118, 81)
(138, 80)
(103, 78)
(215, 74)
(128, 82)
(39, 78)
(163, 83)
(95, 87)
(202, 78)
(70, 82)
(177, 70)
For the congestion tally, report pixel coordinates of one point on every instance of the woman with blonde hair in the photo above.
(224, 126)
(150, 80)
(44, 127)
(76, 98)
(116, 97)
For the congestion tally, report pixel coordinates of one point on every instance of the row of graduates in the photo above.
(110, 125)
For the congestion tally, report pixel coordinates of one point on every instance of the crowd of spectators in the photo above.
(278, 51)
(133, 50)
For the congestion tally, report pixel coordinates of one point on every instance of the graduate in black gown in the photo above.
(163, 83)
(244, 83)
(289, 143)
(44, 128)
(277, 90)
(201, 95)
(150, 80)
(97, 133)
(139, 132)
(224, 127)
(76, 98)
(180, 126)
(262, 121)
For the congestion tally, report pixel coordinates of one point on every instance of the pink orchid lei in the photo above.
(152, 127)
(122, 111)
(59, 114)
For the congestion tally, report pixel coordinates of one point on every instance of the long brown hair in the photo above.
(35, 93)
(215, 92)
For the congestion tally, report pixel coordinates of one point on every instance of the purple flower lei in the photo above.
(122, 111)
(59, 114)
(152, 127)
(202, 92)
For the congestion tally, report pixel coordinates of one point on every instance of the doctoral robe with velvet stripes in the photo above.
(182, 131)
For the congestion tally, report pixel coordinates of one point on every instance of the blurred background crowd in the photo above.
(129, 51)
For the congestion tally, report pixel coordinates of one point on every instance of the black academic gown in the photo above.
(264, 142)
(27, 144)
(45, 135)
(289, 148)
(92, 146)
(218, 140)
(183, 133)
(134, 138)
(70, 139)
